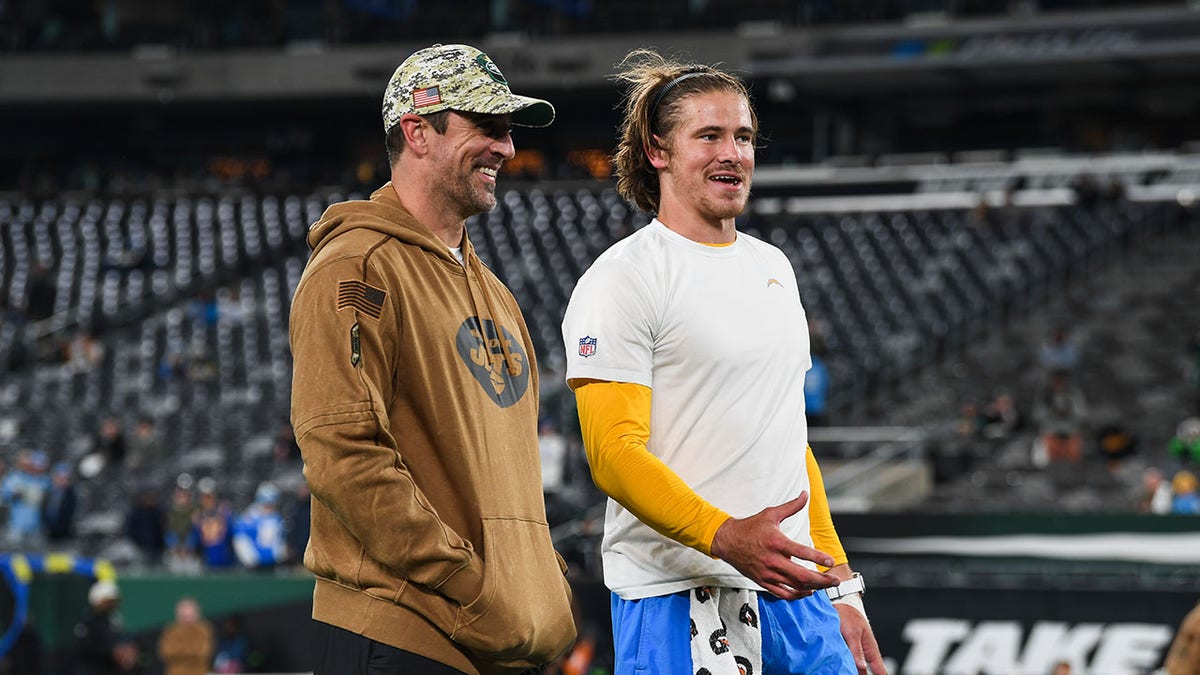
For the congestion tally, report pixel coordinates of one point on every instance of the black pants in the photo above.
(339, 652)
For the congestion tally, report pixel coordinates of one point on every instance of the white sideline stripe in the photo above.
(1163, 548)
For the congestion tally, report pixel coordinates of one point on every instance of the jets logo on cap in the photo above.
(492, 70)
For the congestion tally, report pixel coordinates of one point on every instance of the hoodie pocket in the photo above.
(522, 616)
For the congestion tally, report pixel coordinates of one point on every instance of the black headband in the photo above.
(670, 85)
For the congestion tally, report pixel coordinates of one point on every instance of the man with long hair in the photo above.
(687, 346)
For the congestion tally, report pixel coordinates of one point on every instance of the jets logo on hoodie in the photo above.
(501, 369)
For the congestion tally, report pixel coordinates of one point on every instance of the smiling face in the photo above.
(467, 157)
(706, 163)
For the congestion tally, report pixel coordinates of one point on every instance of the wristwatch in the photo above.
(854, 584)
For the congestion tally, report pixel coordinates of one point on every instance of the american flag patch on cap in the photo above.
(426, 97)
(361, 297)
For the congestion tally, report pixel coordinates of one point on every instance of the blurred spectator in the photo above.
(186, 647)
(1185, 446)
(204, 309)
(100, 648)
(213, 528)
(1061, 411)
(299, 522)
(23, 491)
(1000, 418)
(1156, 494)
(173, 367)
(58, 511)
(84, 352)
(1185, 500)
(229, 307)
(260, 538)
(1059, 353)
(144, 525)
(110, 442)
(234, 654)
(91, 465)
(145, 447)
(981, 216)
(180, 535)
(816, 392)
(969, 420)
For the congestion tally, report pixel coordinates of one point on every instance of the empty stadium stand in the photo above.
(188, 295)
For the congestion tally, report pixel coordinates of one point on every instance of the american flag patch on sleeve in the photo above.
(361, 297)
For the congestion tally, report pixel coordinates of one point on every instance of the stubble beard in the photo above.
(723, 209)
(461, 194)
(468, 199)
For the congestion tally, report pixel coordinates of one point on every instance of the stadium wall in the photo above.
(922, 630)
(987, 593)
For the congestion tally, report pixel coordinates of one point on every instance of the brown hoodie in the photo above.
(187, 648)
(420, 447)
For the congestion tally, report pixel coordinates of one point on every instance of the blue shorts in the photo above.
(652, 636)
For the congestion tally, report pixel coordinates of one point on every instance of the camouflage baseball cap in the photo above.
(457, 77)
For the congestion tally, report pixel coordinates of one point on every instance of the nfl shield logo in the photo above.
(587, 346)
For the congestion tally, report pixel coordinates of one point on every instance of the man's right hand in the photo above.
(757, 548)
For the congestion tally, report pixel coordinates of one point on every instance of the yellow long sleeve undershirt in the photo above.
(820, 520)
(615, 421)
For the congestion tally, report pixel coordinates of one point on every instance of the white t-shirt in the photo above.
(720, 336)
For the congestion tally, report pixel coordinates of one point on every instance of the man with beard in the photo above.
(687, 346)
(415, 402)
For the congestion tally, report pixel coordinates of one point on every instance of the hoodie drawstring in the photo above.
(477, 269)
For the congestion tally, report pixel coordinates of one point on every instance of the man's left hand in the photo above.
(857, 633)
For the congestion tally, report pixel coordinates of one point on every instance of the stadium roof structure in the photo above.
(926, 51)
